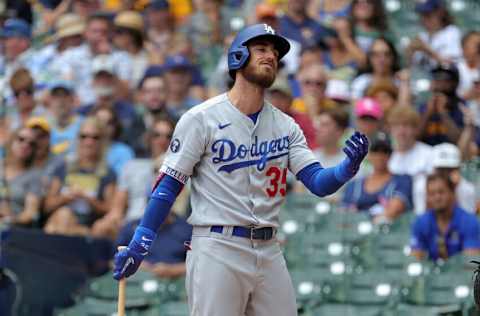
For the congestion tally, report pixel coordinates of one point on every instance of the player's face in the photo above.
(439, 197)
(263, 63)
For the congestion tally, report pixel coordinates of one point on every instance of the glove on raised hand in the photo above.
(356, 148)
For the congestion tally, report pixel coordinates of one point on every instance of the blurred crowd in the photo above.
(91, 91)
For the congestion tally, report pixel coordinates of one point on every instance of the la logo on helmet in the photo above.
(269, 29)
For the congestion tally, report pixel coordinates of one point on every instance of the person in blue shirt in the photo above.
(383, 194)
(298, 26)
(444, 229)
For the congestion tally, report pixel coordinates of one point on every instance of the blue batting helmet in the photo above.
(238, 52)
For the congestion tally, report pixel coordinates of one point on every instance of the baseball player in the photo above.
(236, 149)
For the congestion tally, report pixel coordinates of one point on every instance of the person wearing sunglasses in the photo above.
(77, 200)
(25, 105)
(313, 84)
(20, 187)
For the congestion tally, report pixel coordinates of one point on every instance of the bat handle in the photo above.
(121, 292)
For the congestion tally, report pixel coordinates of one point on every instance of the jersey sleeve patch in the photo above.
(174, 174)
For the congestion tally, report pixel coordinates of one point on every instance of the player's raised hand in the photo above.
(356, 148)
(127, 261)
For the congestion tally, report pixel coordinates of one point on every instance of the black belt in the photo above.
(264, 233)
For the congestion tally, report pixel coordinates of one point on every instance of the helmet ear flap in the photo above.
(237, 58)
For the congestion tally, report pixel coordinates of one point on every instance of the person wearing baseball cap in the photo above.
(442, 117)
(368, 115)
(179, 72)
(447, 160)
(64, 120)
(441, 39)
(49, 164)
(16, 36)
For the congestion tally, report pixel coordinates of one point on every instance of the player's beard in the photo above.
(256, 76)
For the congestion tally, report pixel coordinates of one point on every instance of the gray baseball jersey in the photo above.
(238, 168)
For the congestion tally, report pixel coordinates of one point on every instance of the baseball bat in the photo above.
(121, 292)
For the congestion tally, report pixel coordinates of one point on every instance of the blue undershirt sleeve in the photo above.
(324, 181)
(160, 202)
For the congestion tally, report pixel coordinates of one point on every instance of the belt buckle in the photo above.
(252, 231)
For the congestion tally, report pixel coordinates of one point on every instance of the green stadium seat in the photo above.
(143, 289)
(368, 288)
(409, 310)
(167, 309)
(346, 310)
(308, 286)
(450, 290)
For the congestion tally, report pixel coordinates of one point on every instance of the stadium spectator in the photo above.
(49, 164)
(178, 76)
(46, 63)
(330, 129)
(78, 62)
(117, 153)
(440, 41)
(280, 95)
(469, 66)
(383, 63)
(129, 37)
(311, 55)
(383, 194)
(327, 11)
(64, 121)
(25, 105)
(313, 83)
(160, 31)
(447, 160)
(369, 22)
(385, 93)
(20, 185)
(152, 95)
(331, 126)
(135, 183)
(445, 229)
(205, 30)
(409, 156)
(442, 116)
(107, 89)
(16, 40)
(296, 25)
(342, 57)
(368, 117)
(85, 194)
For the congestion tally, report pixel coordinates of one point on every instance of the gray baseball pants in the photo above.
(235, 276)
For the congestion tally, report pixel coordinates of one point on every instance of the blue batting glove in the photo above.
(356, 148)
(127, 261)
